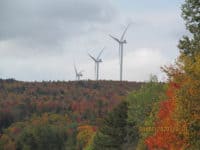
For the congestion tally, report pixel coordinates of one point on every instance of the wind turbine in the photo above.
(121, 43)
(97, 61)
(78, 73)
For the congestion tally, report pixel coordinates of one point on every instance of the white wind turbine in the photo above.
(121, 43)
(78, 73)
(97, 61)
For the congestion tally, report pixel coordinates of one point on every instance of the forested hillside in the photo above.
(79, 102)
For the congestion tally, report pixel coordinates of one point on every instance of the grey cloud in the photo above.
(49, 22)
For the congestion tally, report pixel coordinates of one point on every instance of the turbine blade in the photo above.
(122, 37)
(100, 53)
(114, 38)
(92, 57)
(75, 69)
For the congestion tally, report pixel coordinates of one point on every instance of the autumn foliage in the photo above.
(41, 109)
(167, 128)
(85, 135)
(180, 113)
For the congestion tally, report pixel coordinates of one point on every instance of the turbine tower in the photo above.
(121, 43)
(97, 61)
(78, 73)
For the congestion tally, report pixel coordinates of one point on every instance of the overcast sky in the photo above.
(41, 39)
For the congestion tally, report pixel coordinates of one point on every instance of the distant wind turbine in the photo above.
(121, 43)
(97, 61)
(78, 73)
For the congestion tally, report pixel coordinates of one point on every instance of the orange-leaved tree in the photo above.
(167, 128)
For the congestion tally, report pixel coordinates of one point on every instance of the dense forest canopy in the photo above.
(92, 99)
(76, 102)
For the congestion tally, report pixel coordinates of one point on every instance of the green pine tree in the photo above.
(112, 134)
(190, 45)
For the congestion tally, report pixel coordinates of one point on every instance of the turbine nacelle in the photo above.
(80, 73)
(100, 60)
(119, 41)
(123, 42)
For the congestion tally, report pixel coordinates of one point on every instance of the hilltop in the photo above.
(82, 101)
